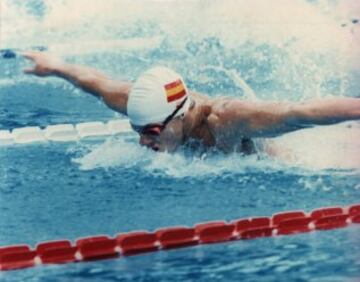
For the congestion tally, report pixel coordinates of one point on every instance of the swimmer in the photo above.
(166, 114)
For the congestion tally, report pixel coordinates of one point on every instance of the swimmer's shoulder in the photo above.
(199, 96)
(223, 110)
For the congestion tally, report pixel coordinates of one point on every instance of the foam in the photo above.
(256, 19)
(299, 153)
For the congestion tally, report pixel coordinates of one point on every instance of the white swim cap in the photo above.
(156, 95)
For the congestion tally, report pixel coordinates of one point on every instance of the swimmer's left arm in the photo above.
(262, 119)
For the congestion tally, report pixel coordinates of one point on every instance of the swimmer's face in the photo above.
(166, 139)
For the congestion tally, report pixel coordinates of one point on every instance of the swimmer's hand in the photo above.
(114, 93)
(44, 63)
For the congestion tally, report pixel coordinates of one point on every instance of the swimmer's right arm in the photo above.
(114, 93)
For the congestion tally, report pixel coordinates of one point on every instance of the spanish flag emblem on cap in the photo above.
(175, 90)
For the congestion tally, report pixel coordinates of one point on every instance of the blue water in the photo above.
(70, 190)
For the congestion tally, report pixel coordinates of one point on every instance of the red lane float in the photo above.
(56, 252)
(213, 232)
(176, 237)
(99, 247)
(280, 217)
(137, 242)
(16, 259)
(293, 226)
(104, 247)
(320, 213)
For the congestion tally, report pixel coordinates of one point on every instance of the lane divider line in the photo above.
(138, 242)
(64, 132)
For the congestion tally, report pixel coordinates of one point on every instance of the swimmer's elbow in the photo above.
(305, 115)
(295, 117)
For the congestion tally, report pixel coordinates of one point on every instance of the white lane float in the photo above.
(64, 132)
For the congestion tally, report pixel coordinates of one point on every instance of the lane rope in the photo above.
(64, 132)
(138, 242)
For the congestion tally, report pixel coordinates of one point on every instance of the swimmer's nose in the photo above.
(146, 141)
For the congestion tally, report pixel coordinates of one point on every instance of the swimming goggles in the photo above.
(156, 128)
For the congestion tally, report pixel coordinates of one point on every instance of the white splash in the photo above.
(127, 154)
(294, 27)
(234, 21)
(305, 152)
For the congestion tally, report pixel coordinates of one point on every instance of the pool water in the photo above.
(69, 190)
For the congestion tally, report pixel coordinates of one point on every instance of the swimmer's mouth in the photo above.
(153, 147)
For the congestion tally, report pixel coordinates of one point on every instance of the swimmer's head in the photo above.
(157, 102)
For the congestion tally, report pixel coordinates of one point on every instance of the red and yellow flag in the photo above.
(175, 90)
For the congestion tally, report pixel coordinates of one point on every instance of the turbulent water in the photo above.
(268, 50)
(288, 50)
(283, 50)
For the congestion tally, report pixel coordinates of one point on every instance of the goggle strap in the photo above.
(178, 108)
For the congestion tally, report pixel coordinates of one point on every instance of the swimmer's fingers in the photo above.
(31, 55)
(29, 70)
(42, 63)
(38, 70)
